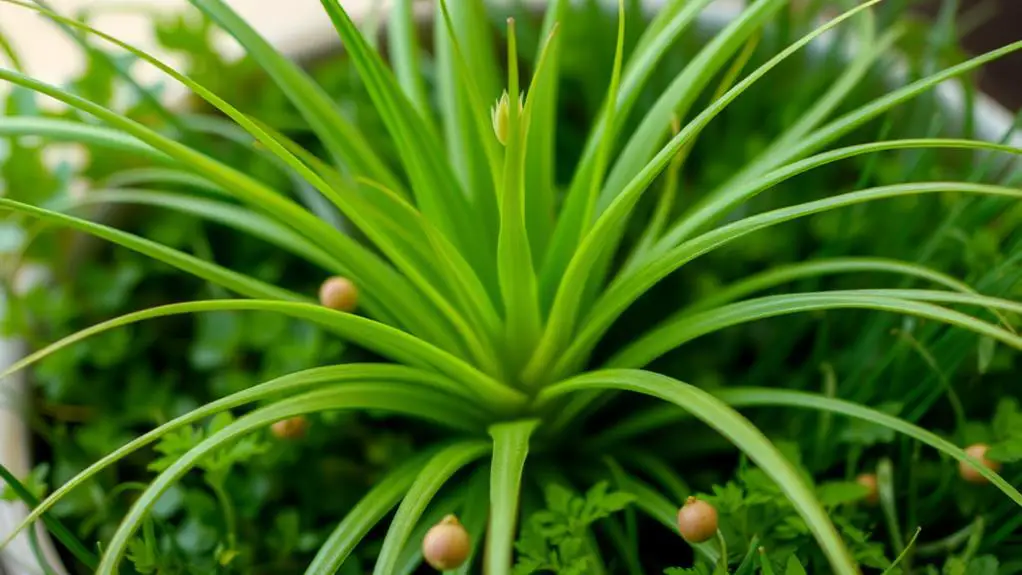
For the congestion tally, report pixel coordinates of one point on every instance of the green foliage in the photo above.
(557, 538)
(497, 282)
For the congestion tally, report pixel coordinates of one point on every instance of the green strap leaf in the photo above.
(434, 185)
(474, 516)
(756, 397)
(275, 388)
(398, 398)
(223, 213)
(365, 267)
(364, 516)
(510, 448)
(681, 329)
(466, 84)
(784, 274)
(388, 341)
(404, 48)
(541, 136)
(743, 434)
(674, 18)
(234, 281)
(62, 533)
(564, 311)
(626, 290)
(345, 142)
(70, 131)
(717, 204)
(514, 258)
(432, 477)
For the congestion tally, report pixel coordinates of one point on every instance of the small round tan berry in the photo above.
(869, 481)
(446, 545)
(338, 293)
(968, 472)
(291, 428)
(697, 520)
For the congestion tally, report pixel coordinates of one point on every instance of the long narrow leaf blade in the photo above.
(743, 434)
(510, 447)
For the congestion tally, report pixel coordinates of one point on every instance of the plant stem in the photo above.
(230, 521)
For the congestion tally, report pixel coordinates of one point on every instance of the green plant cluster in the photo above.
(724, 225)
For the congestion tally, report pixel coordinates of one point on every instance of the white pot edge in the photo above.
(992, 122)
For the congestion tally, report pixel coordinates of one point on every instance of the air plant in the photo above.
(485, 286)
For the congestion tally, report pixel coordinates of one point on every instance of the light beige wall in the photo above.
(48, 55)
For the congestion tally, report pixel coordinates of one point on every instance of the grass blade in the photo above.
(679, 330)
(279, 387)
(476, 510)
(793, 272)
(755, 397)
(563, 313)
(383, 339)
(540, 149)
(346, 144)
(433, 476)
(743, 434)
(363, 261)
(510, 447)
(466, 55)
(404, 48)
(232, 280)
(69, 131)
(435, 187)
(624, 291)
(364, 266)
(390, 397)
(173, 177)
(717, 205)
(570, 222)
(514, 259)
(230, 215)
(364, 516)
(62, 533)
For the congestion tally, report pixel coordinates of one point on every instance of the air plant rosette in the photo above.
(490, 289)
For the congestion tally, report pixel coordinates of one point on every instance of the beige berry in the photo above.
(338, 293)
(697, 520)
(869, 481)
(291, 428)
(968, 472)
(446, 545)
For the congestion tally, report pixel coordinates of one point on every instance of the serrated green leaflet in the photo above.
(738, 430)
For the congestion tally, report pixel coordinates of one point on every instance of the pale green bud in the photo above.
(500, 115)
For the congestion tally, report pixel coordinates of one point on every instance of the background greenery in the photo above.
(286, 496)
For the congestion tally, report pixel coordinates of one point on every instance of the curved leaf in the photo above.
(281, 386)
(510, 447)
(398, 398)
(381, 338)
(70, 131)
(564, 311)
(626, 290)
(232, 280)
(432, 477)
(715, 206)
(814, 268)
(364, 516)
(681, 329)
(241, 219)
(754, 397)
(743, 434)
(343, 139)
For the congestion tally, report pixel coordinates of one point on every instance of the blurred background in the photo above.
(986, 24)
(995, 23)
